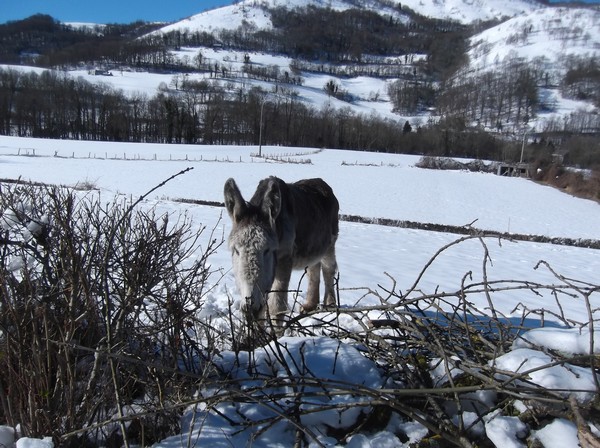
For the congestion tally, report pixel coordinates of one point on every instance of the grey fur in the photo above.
(282, 227)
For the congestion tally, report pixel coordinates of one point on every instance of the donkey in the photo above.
(283, 227)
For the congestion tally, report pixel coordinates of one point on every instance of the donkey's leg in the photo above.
(277, 302)
(329, 269)
(312, 294)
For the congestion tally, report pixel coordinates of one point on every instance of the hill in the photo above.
(362, 72)
(255, 14)
(532, 73)
(549, 39)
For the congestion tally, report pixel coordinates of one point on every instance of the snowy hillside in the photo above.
(544, 35)
(252, 12)
(227, 17)
(471, 11)
(547, 36)
(369, 83)
(548, 40)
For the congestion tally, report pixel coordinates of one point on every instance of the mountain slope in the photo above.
(410, 77)
(552, 34)
(470, 11)
(549, 42)
(227, 17)
(253, 13)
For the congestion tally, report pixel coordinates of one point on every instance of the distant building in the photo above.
(514, 170)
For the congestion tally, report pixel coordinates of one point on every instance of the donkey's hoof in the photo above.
(307, 308)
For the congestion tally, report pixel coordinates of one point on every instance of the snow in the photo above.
(28, 442)
(321, 361)
(554, 33)
(544, 38)
(570, 341)
(504, 431)
(370, 185)
(7, 436)
(397, 189)
(370, 94)
(470, 11)
(227, 17)
(558, 434)
(547, 37)
(253, 14)
(91, 26)
(564, 376)
(7, 440)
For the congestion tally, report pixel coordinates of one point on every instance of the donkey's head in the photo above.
(253, 241)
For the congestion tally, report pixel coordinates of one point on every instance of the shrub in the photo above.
(447, 163)
(96, 300)
(580, 183)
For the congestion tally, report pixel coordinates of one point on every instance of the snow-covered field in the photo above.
(370, 185)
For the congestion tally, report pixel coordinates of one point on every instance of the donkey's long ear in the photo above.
(234, 202)
(271, 203)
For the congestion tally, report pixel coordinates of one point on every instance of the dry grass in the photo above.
(580, 183)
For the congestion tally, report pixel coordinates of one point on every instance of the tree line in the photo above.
(55, 105)
(508, 94)
(44, 41)
(582, 80)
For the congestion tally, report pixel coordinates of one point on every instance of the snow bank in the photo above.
(567, 341)
(28, 442)
(539, 369)
(319, 378)
(558, 434)
(324, 362)
(505, 432)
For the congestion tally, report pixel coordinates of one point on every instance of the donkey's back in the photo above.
(308, 222)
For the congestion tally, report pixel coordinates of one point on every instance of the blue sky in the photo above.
(107, 11)
(111, 11)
